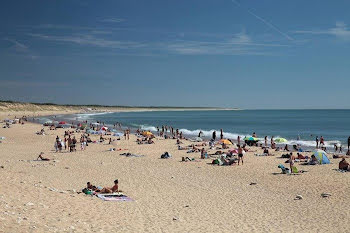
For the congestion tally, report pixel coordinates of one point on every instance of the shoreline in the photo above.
(169, 195)
(329, 144)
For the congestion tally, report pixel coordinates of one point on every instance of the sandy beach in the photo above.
(169, 195)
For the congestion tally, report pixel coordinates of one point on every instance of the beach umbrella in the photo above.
(62, 123)
(250, 139)
(281, 140)
(147, 133)
(104, 128)
(321, 156)
(225, 141)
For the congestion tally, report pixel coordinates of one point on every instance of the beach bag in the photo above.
(215, 161)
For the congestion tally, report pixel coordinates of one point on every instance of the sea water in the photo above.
(297, 126)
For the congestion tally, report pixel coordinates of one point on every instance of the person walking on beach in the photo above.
(321, 141)
(265, 141)
(69, 143)
(317, 141)
(238, 140)
(240, 154)
(200, 133)
(214, 135)
(221, 134)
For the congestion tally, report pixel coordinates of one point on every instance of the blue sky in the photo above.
(245, 53)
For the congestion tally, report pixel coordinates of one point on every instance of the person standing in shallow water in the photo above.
(348, 142)
(221, 134)
(214, 135)
(322, 141)
(317, 141)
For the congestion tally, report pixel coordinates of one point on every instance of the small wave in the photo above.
(148, 128)
(88, 115)
(312, 143)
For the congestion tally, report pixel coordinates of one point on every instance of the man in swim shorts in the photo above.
(240, 154)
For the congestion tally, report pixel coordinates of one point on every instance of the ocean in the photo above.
(305, 125)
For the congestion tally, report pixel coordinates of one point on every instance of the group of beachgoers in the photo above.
(70, 142)
(9, 122)
(92, 189)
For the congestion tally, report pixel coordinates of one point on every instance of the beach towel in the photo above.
(114, 197)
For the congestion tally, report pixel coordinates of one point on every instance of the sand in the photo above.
(170, 196)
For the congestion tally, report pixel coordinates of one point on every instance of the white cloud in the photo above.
(112, 20)
(214, 48)
(90, 40)
(340, 31)
(24, 83)
(241, 38)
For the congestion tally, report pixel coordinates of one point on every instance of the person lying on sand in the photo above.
(150, 141)
(92, 187)
(344, 165)
(340, 156)
(112, 189)
(300, 156)
(187, 159)
(228, 162)
(181, 147)
(42, 158)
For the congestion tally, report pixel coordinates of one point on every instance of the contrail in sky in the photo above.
(270, 25)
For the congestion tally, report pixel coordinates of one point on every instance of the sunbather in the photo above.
(42, 158)
(344, 165)
(300, 156)
(112, 189)
(92, 187)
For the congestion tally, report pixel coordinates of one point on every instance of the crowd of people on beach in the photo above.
(227, 152)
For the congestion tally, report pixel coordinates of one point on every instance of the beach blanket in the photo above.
(114, 197)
